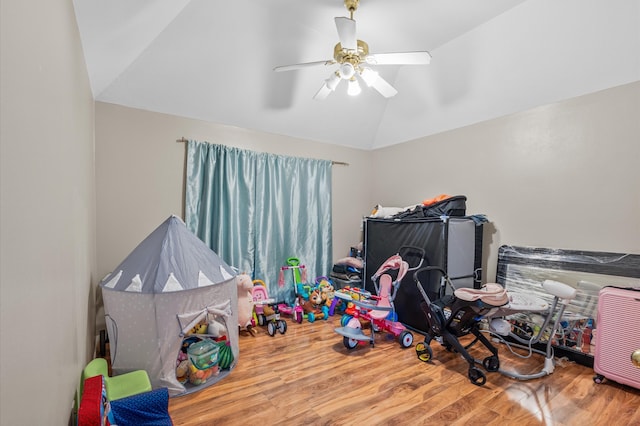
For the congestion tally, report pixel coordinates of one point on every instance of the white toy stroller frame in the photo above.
(451, 316)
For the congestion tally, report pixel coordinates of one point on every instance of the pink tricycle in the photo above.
(377, 309)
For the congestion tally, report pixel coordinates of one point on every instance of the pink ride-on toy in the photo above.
(265, 310)
(377, 309)
(295, 312)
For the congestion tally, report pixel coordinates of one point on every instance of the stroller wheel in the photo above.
(424, 352)
(282, 326)
(271, 328)
(261, 320)
(477, 377)
(491, 363)
(349, 343)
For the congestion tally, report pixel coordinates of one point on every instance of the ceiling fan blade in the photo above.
(373, 79)
(399, 58)
(384, 88)
(347, 32)
(329, 86)
(303, 65)
(322, 93)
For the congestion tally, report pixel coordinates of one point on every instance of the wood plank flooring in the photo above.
(307, 377)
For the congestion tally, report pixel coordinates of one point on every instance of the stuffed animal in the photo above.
(268, 310)
(216, 329)
(327, 293)
(315, 298)
(245, 305)
(182, 371)
(199, 328)
(311, 312)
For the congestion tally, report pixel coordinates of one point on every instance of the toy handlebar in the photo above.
(284, 268)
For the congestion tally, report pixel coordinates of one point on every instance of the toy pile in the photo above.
(205, 351)
(312, 301)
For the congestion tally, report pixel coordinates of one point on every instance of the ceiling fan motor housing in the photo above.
(353, 60)
(354, 57)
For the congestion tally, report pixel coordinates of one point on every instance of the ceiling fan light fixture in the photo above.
(352, 58)
(332, 81)
(354, 88)
(347, 71)
(322, 93)
(369, 76)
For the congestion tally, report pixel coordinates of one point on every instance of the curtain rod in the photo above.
(334, 163)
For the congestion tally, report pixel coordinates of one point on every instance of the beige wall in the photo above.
(47, 220)
(564, 175)
(140, 175)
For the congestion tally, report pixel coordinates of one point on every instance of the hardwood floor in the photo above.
(307, 377)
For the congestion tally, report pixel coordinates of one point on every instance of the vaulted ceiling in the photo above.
(213, 60)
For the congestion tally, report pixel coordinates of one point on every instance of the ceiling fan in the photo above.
(353, 59)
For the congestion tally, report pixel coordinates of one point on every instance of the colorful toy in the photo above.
(199, 377)
(295, 311)
(299, 271)
(315, 298)
(182, 367)
(377, 309)
(300, 288)
(204, 354)
(299, 274)
(327, 293)
(198, 328)
(225, 355)
(182, 371)
(311, 312)
(265, 309)
(216, 329)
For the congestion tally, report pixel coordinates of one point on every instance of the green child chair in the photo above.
(119, 386)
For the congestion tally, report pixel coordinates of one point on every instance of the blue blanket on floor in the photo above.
(145, 409)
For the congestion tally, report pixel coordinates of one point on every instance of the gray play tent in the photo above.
(166, 285)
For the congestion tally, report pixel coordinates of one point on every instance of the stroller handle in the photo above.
(427, 268)
(404, 250)
(443, 282)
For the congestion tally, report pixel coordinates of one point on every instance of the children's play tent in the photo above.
(167, 284)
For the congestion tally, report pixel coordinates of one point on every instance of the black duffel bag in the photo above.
(453, 206)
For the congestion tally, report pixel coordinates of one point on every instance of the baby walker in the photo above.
(450, 316)
(377, 309)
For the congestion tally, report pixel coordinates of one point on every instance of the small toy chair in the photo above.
(119, 386)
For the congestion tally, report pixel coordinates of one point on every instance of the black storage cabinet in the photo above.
(455, 244)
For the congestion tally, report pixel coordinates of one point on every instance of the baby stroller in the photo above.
(450, 316)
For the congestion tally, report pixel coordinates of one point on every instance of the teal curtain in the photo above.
(256, 210)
